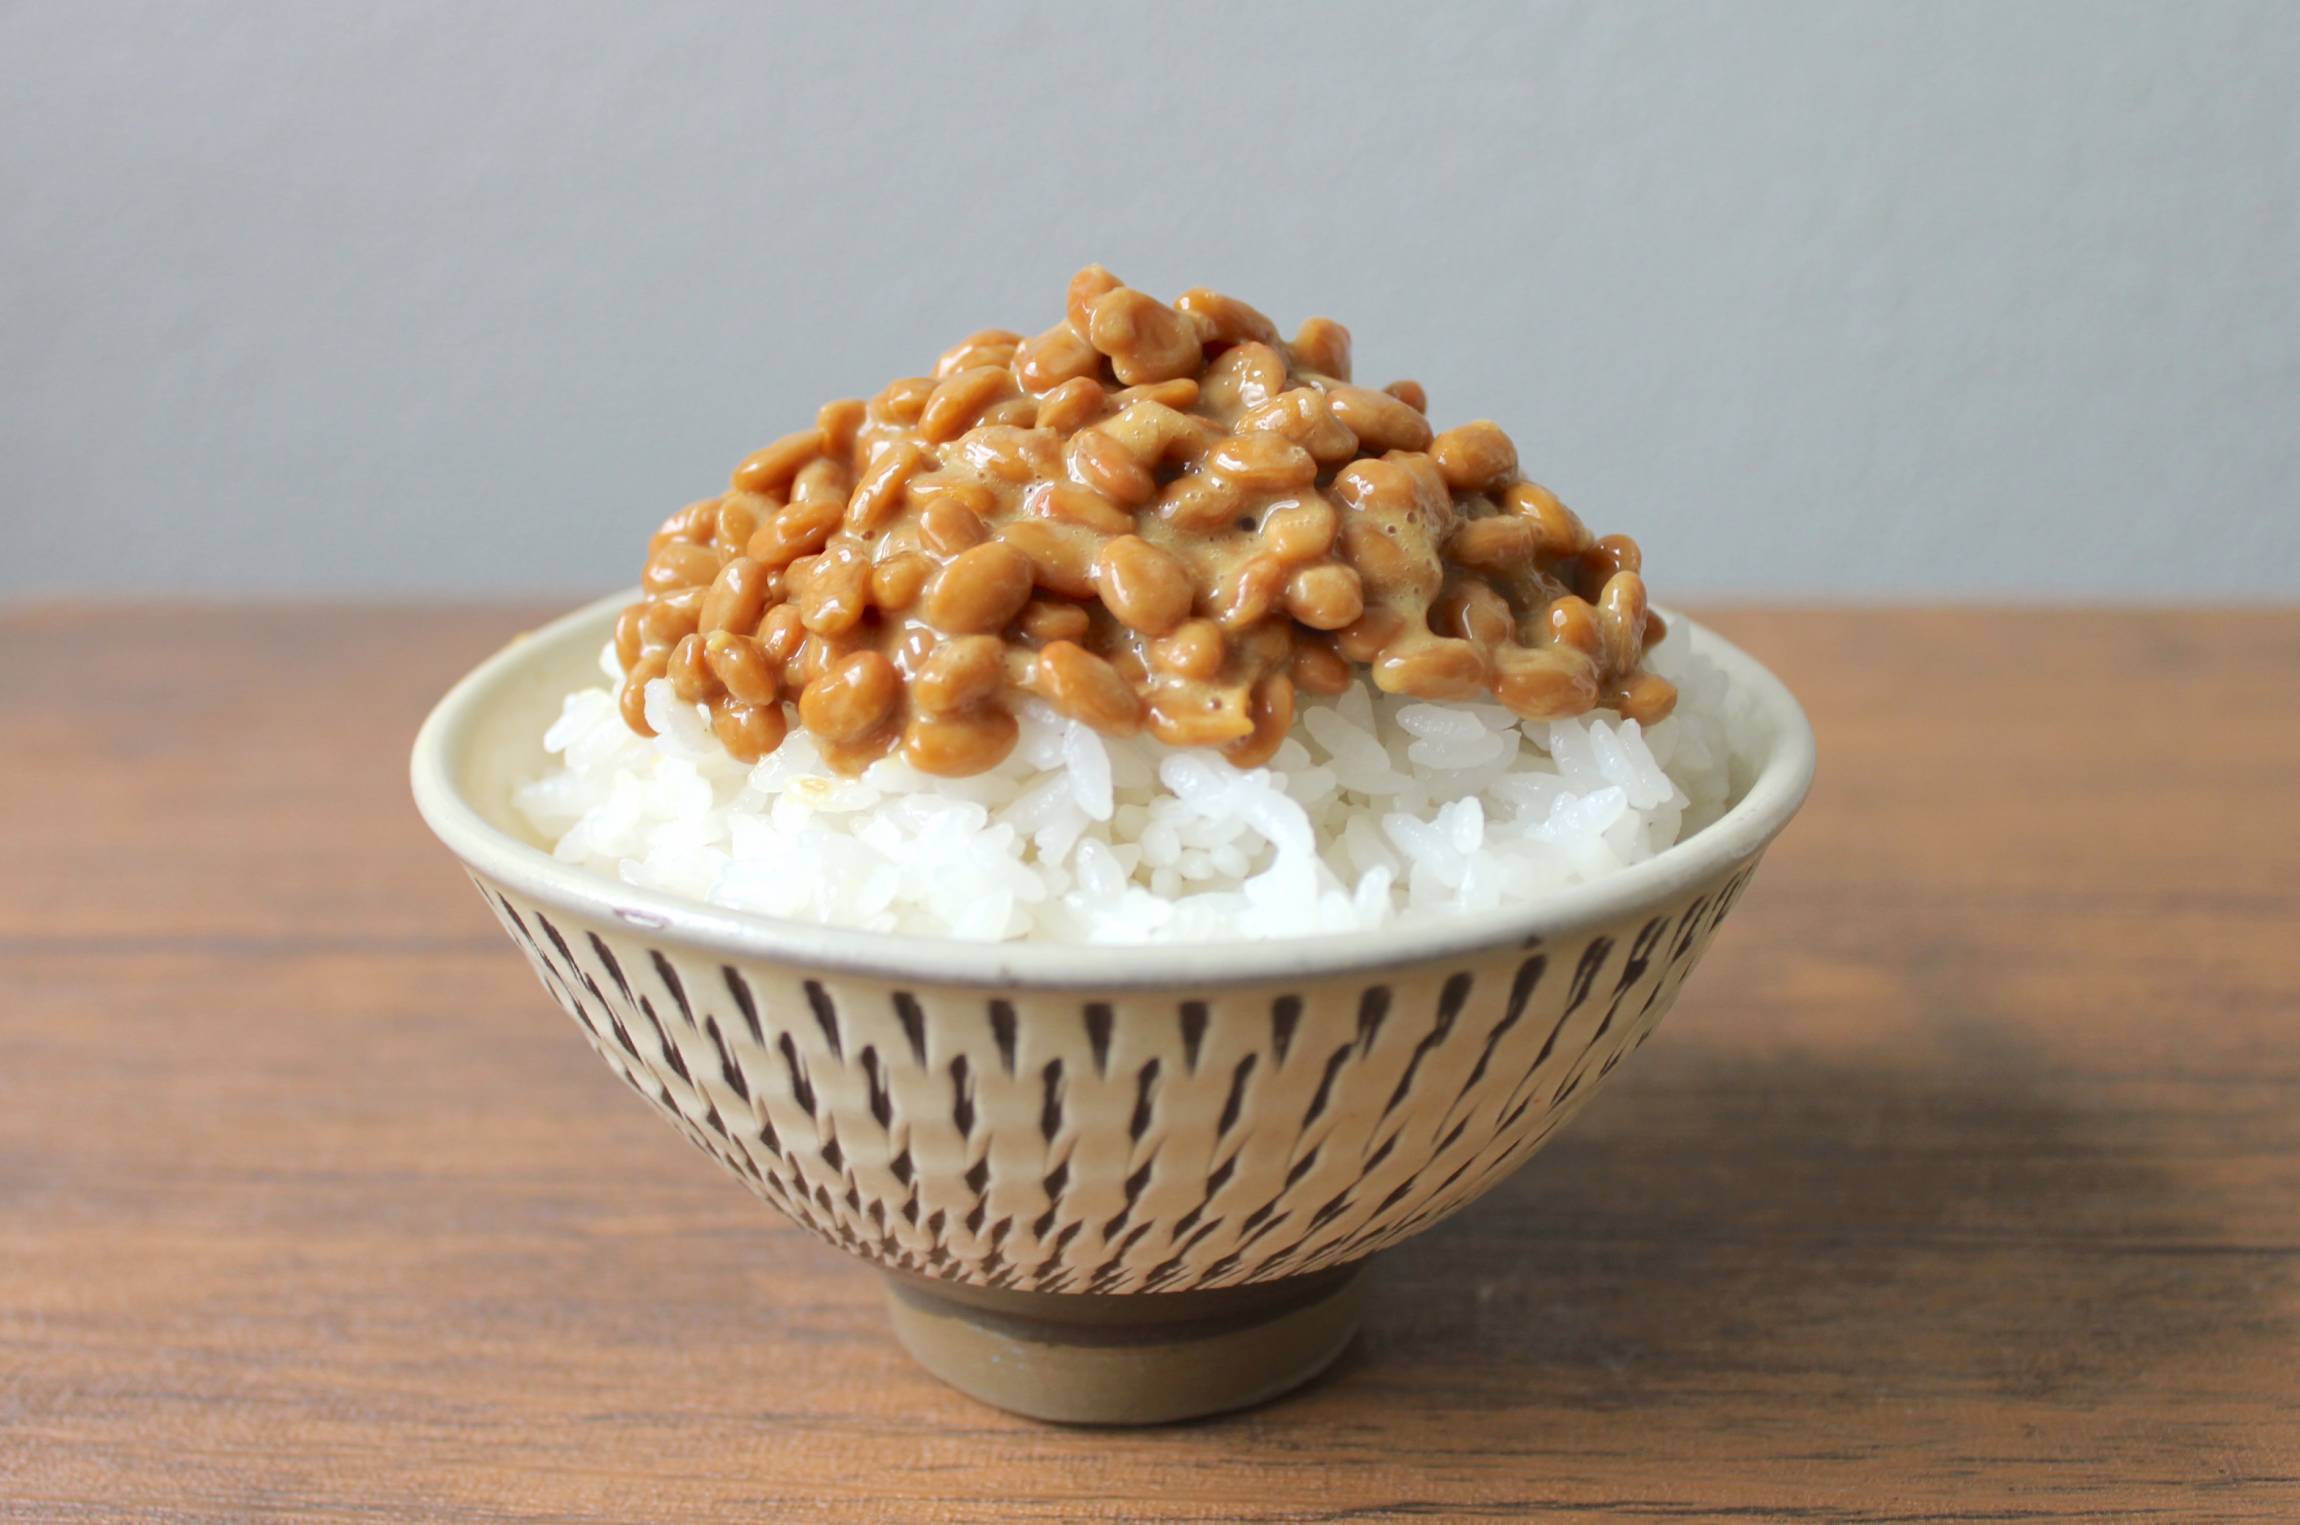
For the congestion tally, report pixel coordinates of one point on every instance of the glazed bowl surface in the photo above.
(1060, 1119)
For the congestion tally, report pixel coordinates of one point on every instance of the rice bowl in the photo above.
(1131, 812)
(1027, 1136)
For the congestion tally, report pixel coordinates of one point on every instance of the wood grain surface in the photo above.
(1965, 1180)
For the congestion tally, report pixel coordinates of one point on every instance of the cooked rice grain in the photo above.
(1377, 811)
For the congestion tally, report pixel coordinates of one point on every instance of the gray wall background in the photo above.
(1917, 300)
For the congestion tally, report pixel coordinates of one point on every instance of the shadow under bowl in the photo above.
(1106, 1185)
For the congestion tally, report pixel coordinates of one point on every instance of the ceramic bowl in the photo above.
(1103, 1184)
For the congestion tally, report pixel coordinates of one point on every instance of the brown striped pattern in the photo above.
(1120, 1141)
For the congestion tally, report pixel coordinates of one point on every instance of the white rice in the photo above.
(1377, 811)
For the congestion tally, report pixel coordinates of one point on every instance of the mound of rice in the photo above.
(1377, 811)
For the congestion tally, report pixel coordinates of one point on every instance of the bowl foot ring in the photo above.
(1127, 1358)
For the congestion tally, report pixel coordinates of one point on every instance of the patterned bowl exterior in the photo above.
(1126, 1140)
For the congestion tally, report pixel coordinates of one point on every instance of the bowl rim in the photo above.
(1783, 776)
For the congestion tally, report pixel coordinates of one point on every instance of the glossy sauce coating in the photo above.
(1155, 517)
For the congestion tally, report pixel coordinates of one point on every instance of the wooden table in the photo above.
(1966, 1178)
